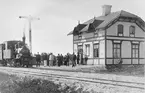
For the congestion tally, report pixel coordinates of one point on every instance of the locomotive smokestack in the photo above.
(24, 38)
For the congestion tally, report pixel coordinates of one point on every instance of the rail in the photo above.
(79, 78)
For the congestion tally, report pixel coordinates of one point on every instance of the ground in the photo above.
(127, 70)
(129, 73)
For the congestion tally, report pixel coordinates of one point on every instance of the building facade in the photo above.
(111, 36)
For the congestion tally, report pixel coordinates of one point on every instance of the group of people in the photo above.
(51, 60)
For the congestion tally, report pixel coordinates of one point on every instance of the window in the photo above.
(135, 50)
(120, 30)
(117, 50)
(95, 34)
(80, 48)
(96, 50)
(132, 31)
(79, 36)
(9, 45)
(88, 49)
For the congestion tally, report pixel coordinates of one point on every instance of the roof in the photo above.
(103, 21)
(92, 25)
(77, 28)
(13, 41)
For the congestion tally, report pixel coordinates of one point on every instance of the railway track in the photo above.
(78, 78)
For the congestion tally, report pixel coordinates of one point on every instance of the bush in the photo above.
(35, 85)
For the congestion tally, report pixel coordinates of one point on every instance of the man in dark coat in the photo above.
(45, 59)
(59, 60)
(78, 58)
(81, 58)
(67, 59)
(48, 59)
(74, 60)
(38, 59)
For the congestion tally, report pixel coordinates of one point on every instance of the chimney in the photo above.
(106, 10)
(24, 38)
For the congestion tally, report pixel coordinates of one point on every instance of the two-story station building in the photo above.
(111, 36)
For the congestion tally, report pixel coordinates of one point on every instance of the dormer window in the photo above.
(132, 31)
(79, 36)
(95, 34)
(120, 30)
(91, 27)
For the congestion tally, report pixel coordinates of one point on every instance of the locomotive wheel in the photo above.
(27, 65)
(13, 64)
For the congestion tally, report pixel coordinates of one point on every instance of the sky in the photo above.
(57, 19)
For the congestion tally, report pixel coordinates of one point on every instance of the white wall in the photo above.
(102, 49)
(90, 62)
(75, 37)
(87, 35)
(95, 61)
(109, 61)
(102, 52)
(126, 49)
(75, 48)
(126, 61)
(113, 29)
(142, 50)
(109, 48)
(135, 61)
(101, 33)
(102, 61)
(142, 61)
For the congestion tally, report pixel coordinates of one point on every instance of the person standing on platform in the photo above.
(41, 58)
(59, 60)
(78, 58)
(54, 62)
(45, 59)
(48, 59)
(67, 59)
(51, 59)
(38, 59)
(81, 58)
(74, 60)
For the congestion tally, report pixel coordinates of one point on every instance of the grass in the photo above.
(126, 70)
(36, 85)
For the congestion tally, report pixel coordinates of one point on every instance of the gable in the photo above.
(113, 29)
(138, 22)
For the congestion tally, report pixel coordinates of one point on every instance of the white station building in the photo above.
(111, 36)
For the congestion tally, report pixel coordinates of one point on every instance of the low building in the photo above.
(111, 36)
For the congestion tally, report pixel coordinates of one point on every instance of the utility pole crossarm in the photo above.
(23, 17)
(30, 18)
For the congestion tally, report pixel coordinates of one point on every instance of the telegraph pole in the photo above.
(30, 19)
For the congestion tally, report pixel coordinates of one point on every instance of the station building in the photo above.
(111, 36)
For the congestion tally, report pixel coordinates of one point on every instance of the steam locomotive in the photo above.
(15, 53)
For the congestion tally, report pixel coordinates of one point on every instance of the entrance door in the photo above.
(80, 50)
(116, 52)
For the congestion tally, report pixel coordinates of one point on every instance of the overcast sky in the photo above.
(57, 19)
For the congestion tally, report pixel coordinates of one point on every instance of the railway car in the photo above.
(1, 53)
(15, 53)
